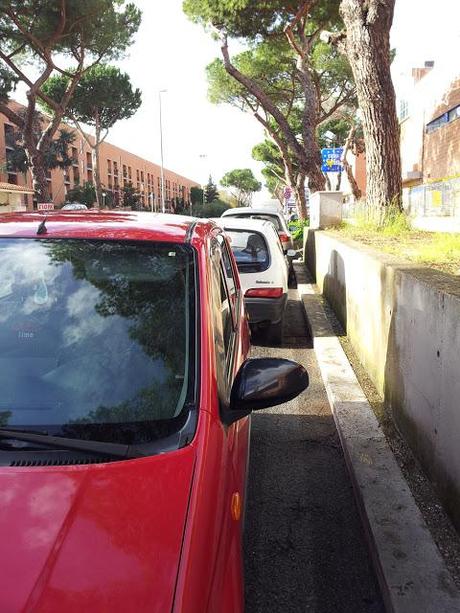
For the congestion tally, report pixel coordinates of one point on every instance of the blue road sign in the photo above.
(331, 159)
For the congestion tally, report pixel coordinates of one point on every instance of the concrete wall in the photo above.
(403, 321)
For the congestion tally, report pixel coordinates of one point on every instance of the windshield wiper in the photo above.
(111, 449)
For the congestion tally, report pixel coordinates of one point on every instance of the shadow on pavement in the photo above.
(295, 330)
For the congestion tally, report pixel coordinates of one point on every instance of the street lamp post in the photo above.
(203, 156)
(161, 149)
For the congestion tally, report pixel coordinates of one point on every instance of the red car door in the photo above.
(211, 574)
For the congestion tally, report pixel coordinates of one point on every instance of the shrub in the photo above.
(84, 194)
(297, 227)
(211, 209)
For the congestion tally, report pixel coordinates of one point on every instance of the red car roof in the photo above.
(104, 225)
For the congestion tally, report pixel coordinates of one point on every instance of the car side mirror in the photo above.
(265, 382)
(292, 253)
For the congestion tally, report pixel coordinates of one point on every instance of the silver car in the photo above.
(74, 206)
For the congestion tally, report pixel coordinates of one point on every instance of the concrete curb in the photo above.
(412, 575)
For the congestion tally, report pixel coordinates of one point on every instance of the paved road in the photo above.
(304, 545)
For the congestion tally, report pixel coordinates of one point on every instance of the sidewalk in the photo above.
(412, 574)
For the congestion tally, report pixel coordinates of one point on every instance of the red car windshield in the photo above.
(96, 337)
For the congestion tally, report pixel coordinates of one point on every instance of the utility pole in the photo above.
(203, 156)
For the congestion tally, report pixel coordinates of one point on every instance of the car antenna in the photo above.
(42, 227)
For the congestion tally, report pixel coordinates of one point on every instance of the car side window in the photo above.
(229, 273)
(224, 305)
(226, 314)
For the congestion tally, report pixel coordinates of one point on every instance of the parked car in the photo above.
(263, 271)
(74, 206)
(276, 217)
(125, 413)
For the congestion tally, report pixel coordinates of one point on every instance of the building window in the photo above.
(9, 136)
(142, 176)
(454, 113)
(137, 175)
(115, 168)
(129, 173)
(89, 160)
(125, 173)
(109, 167)
(403, 110)
(443, 119)
(74, 156)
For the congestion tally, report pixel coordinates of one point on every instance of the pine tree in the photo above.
(210, 191)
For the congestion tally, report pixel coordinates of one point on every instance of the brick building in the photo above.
(429, 114)
(118, 168)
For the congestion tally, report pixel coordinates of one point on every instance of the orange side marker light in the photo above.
(236, 506)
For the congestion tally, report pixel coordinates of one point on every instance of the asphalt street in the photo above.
(305, 549)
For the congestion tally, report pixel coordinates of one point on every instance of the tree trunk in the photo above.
(39, 180)
(339, 181)
(96, 163)
(301, 201)
(368, 50)
(351, 179)
(36, 162)
(312, 163)
(35, 151)
(328, 181)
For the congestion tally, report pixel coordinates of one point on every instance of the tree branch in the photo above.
(36, 42)
(15, 69)
(82, 132)
(104, 137)
(289, 29)
(263, 99)
(11, 115)
(339, 102)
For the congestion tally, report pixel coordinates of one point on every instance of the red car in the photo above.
(125, 395)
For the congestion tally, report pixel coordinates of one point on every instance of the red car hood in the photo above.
(99, 538)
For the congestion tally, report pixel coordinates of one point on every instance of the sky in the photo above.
(201, 138)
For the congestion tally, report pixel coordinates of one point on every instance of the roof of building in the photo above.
(109, 225)
(12, 188)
